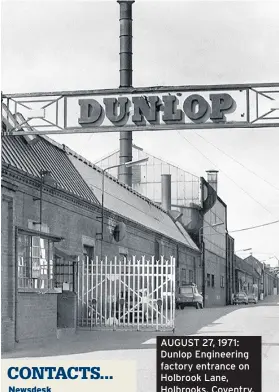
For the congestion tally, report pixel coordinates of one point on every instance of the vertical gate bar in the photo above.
(138, 299)
(115, 301)
(152, 289)
(167, 290)
(87, 292)
(106, 289)
(96, 290)
(124, 290)
(134, 288)
(156, 287)
(82, 292)
(143, 288)
(148, 291)
(129, 290)
(110, 292)
(101, 294)
(171, 290)
(78, 291)
(92, 293)
(119, 292)
(161, 283)
(174, 291)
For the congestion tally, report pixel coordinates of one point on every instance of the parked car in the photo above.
(188, 295)
(240, 298)
(252, 298)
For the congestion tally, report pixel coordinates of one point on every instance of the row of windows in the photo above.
(39, 268)
(210, 281)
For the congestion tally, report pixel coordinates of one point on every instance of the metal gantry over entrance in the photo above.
(142, 109)
(132, 294)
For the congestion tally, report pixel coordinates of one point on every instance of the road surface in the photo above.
(261, 319)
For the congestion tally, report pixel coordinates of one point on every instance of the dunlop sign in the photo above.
(154, 109)
(144, 109)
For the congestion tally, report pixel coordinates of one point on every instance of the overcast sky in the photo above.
(51, 45)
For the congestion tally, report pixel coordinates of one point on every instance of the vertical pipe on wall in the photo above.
(126, 80)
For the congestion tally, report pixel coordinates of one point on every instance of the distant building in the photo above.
(195, 202)
(247, 278)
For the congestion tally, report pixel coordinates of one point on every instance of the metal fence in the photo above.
(129, 294)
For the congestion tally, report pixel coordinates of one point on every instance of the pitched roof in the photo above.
(76, 175)
(245, 266)
(45, 155)
(123, 200)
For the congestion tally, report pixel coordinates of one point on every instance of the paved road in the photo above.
(262, 319)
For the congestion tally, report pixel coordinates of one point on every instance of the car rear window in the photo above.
(186, 290)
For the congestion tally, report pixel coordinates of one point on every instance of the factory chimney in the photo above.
(126, 80)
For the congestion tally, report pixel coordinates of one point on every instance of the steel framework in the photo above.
(51, 112)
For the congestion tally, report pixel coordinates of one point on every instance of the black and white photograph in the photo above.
(140, 192)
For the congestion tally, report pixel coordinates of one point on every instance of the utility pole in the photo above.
(126, 80)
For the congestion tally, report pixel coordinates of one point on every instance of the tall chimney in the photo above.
(166, 191)
(212, 179)
(126, 80)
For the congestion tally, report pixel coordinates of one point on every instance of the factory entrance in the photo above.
(132, 294)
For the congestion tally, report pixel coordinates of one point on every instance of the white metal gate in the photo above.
(136, 294)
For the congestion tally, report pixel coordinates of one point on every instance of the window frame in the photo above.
(183, 276)
(25, 282)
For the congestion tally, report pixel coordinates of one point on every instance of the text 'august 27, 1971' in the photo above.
(209, 364)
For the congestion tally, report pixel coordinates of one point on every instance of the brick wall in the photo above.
(66, 310)
(36, 316)
(216, 266)
(7, 272)
(73, 219)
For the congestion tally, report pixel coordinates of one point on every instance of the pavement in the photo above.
(261, 319)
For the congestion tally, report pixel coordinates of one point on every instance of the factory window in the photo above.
(191, 277)
(35, 262)
(88, 253)
(212, 281)
(64, 273)
(183, 276)
(222, 281)
(208, 280)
